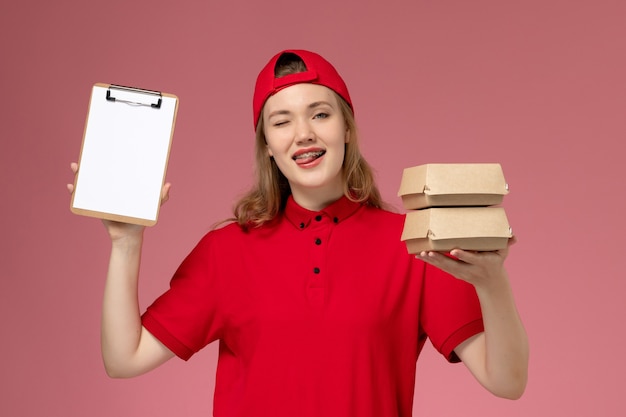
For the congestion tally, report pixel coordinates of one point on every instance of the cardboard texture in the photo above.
(469, 228)
(451, 206)
(446, 185)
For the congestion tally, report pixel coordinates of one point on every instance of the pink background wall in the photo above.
(537, 85)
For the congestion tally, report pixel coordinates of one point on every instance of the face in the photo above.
(306, 135)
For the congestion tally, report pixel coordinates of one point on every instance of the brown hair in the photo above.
(268, 196)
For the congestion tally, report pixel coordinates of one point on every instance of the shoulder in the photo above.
(379, 227)
(219, 244)
(378, 217)
(388, 211)
(231, 234)
(223, 233)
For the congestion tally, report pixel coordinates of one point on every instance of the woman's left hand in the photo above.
(498, 357)
(478, 268)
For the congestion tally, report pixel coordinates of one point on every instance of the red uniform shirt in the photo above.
(317, 313)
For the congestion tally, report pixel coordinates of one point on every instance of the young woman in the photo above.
(317, 307)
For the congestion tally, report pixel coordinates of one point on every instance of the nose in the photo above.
(304, 132)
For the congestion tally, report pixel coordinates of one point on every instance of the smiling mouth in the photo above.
(307, 157)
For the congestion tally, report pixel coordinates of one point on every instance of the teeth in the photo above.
(310, 155)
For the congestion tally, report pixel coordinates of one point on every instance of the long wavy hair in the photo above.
(267, 197)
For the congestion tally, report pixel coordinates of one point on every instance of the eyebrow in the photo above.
(310, 106)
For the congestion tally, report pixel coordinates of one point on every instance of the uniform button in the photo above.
(301, 225)
(318, 241)
(336, 219)
(318, 217)
(316, 270)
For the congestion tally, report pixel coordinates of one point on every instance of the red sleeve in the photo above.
(450, 311)
(187, 316)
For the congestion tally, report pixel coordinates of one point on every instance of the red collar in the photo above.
(336, 212)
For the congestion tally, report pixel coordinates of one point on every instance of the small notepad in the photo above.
(124, 154)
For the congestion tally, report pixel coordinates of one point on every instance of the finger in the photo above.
(465, 256)
(74, 168)
(504, 252)
(440, 260)
(446, 262)
(165, 192)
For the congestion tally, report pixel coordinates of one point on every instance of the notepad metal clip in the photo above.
(134, 96)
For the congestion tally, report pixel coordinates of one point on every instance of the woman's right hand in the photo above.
(128, 349)
(118, 230)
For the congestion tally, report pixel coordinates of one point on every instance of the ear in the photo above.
(347, 138)
(269, 151)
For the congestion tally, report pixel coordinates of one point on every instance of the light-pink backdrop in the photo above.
(537, 85)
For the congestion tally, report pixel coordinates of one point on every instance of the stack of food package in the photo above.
(454, 206)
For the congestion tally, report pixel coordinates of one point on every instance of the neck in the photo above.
(316, 200)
